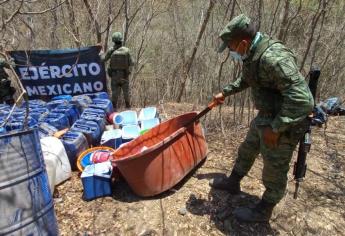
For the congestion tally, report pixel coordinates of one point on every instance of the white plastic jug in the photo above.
(55, 157)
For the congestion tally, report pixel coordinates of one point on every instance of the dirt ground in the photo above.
(193, 208)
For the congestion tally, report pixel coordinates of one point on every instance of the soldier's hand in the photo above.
(219, 98)
(270, 138)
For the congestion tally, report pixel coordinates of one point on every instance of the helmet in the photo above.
(116, 37)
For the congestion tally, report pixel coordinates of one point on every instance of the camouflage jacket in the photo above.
(111, 50)
(277, 86)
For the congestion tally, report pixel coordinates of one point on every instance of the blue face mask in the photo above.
(236, 56)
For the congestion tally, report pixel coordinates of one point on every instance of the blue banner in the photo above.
(48, 73)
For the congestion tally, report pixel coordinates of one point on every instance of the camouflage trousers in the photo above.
(276, 161)
(118, 84)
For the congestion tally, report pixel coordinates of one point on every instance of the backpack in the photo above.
(119, 60)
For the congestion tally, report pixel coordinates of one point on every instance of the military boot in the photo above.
(230, 184)
(262, 212)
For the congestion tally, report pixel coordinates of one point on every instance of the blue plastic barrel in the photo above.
(69, 110)
(75, 143)
(53, 104)
(97, 115)
(90, 129)
(45, 130)
(63, 97)
(104, 104)
(38, 112)
(58, 120)
(81, 101)
(26, 204)
(17, 123)
(4, 107)
(35, 103)
(18, 112)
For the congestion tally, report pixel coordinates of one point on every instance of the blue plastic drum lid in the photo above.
(75, 143)
(90, 129)
(59, 121)
(24, 188)
(118, 119)
(104, 104)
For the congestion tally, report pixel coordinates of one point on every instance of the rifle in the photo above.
(300, 166)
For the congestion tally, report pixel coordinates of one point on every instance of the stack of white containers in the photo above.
(130, 126)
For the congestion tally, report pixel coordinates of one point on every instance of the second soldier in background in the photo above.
(119, 69)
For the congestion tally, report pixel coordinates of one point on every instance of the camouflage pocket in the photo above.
(296, 132)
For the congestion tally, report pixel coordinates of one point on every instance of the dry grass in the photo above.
(191, 208)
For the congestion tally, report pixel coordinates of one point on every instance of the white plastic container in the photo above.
(149, 124)
(130, 132)
(148, 113)
(112, 138)
(129, 118)
(55, 158)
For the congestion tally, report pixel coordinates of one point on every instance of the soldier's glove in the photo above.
(219, 98)
(270, 138)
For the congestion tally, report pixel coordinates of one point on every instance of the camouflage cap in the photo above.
(236, 25)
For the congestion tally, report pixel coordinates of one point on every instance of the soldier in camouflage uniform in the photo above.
(283, 100)
(119, 69)
(6, 90)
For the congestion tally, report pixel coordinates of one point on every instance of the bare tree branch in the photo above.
(189, 63)
(43, 11)
(97, 28)
(13, 15)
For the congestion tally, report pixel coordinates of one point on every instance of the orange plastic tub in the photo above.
(157, 160)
